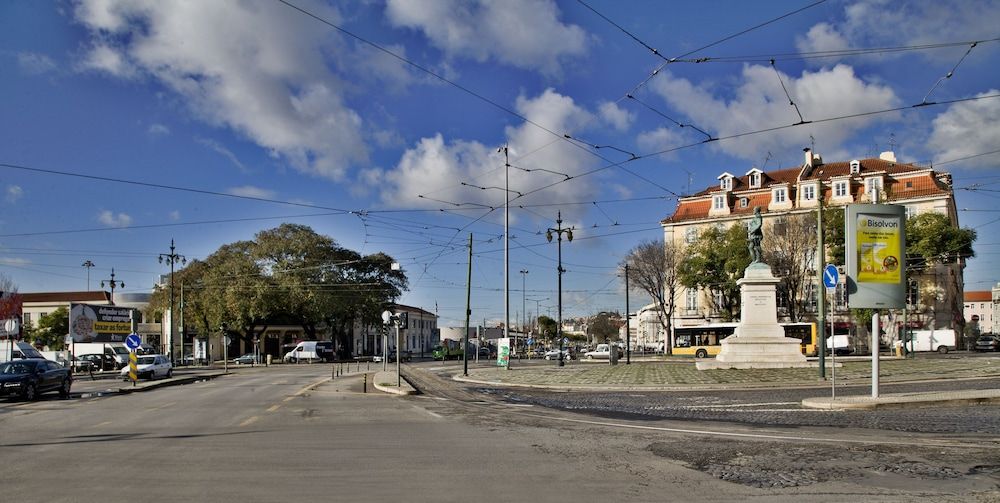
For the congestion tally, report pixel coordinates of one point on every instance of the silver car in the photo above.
(150, 367)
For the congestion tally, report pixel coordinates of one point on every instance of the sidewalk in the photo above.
(678, 376)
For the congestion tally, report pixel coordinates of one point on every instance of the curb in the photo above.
(405, 388)
(174, 381)
(905, 400)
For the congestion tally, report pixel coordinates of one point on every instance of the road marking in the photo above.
(251, 420)
(737, 405)
(443, 399)
(274, 407)
(427, 411)
(289, 398)
(98, 425)
(163, 406)
(517, 405)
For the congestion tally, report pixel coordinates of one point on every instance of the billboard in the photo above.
(876, 255)
(89, 323)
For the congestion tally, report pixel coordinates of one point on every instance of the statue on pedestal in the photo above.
(755, 234)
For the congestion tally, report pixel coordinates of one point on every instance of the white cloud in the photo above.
(522, 33)
(255, 67)
(660, 139)
(885, 23)
(158, 130)
(14, 192)
(225, 152)
(435, 168)
(14, 261)
(617, 117)
(174, 215)
(251, 191)
(968, 128)
(110, 219)
(34, 63)
(759, 103)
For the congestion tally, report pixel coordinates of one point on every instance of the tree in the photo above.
(10, 304)
(654, 268)
(604, 326)
(834, 236)
(932, 240)
(51, 330)
(548, 327)
(714, 262)
(790, 250)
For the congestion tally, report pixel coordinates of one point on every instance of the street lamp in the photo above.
(524, 274)
(113, 284)
(88, 264)
(569, 237)
(172, 258)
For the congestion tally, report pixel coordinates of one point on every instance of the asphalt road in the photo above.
(285, 433)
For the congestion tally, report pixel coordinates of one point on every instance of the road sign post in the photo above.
(831, 276)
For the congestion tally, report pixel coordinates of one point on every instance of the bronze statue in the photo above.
(755, 234)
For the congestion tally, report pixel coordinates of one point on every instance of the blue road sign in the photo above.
(831, 276)
(133, 341)
(530, 341)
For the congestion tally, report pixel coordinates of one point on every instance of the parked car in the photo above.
(150, 367)
(100, 362)
(553, 354)
(988, 343)
(31, 377)
(485, 352)
(602, 352)
(246, 359)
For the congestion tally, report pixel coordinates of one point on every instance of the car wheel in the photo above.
(30, 393)
(170, 373)
(701, 353)
(590, 357)
(64, 389)
(942, 350)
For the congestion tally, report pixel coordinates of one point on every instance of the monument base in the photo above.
(759, 341)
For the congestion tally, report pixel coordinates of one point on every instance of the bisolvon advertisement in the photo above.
(89, 323)
(878, 241)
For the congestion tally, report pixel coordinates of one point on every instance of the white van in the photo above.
(942, 340)
(310, 351)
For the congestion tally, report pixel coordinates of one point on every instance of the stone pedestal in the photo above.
(759, 342)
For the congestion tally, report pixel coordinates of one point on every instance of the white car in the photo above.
(553, 354)
(150, 367)
(602, 352)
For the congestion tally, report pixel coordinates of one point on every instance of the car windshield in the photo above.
(11, 368)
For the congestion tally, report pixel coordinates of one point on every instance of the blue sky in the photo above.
(262, 101)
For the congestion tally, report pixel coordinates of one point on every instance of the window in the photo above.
(912, 294)
(839, 189)
(754, 179)
(780, 195)
(808, 192)
(691, 235)
(872, 184)
(718, 202)
(692, 300)
(726, 183)
(780, 226)
(717, 301)
(27, 319)
(910, 211)
(855, 167)
(744, 202)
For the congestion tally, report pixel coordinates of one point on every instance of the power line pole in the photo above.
(468, 313)
(569, 236)
(88, 264)
(112, 283)
(628, 331)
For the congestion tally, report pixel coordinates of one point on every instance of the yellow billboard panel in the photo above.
(878, 248)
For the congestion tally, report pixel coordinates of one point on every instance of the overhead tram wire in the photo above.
(950, 73)
(717, 42)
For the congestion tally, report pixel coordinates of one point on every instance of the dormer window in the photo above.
(754, 178)
(718, 202)
(855, 167)
(873, 184)
(726, 181)
(779, 195)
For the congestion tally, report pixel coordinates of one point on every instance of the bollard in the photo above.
(366, 383)
(333, 373)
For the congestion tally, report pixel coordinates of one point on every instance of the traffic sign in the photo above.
(530, 341)
(831, 276)
(133, 341)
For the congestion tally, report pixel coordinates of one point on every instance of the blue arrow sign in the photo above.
(831, 276)
(133, 341)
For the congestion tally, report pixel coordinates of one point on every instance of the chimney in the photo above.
(809, 157)
(888, 156)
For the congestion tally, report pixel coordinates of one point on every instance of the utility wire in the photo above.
(950, 73)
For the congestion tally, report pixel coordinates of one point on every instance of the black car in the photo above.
(99, 362)
(988, 343)
(31, 377)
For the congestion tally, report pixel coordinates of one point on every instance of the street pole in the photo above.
(171, 259)
(398, 379)
(112, 283)
(628, 328)
(569, 236)
(468, 313)
(506, 249)
(820, 312)
(88, 264)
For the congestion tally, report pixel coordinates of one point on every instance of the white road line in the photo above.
(251, 420)
(427, 411)
(274, 408)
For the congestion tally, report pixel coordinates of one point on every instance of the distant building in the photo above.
(785, 193)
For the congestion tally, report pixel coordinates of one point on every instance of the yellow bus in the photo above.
(703, 341)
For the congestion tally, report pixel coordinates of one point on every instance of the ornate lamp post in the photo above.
(172, 258)
(569, 237)
(112, 284)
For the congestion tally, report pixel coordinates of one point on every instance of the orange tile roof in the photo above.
(95, 296)
(980, 296)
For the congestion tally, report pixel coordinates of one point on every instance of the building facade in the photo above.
(796, 192)
(981, 307)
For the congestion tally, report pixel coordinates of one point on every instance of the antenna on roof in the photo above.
(812, 143)
(768, 158)
(892, 142)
